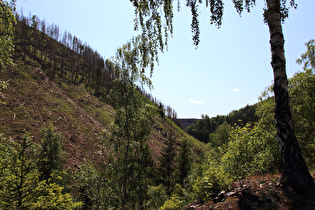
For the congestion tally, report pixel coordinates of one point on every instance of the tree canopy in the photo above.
(155, 18)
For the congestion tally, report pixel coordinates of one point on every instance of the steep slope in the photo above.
(35, 101)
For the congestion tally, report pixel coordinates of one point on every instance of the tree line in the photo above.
(65, 56)
(164, 110)
(204, 127)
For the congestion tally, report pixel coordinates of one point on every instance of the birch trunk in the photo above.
(295, 172)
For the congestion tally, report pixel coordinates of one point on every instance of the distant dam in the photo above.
(185, 122)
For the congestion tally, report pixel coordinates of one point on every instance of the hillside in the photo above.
(203, 128)
(67, 85)
(52, 83)
(35, 101)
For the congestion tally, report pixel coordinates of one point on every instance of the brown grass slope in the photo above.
(35, 101)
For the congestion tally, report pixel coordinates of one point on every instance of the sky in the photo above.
(230, 68)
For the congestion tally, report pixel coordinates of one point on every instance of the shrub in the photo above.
(250, 151)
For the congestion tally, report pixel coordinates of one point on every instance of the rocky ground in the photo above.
(259, 192)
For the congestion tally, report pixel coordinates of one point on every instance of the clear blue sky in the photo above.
(230, 68)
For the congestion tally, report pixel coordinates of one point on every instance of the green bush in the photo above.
(157, 196)
(249, 151)
(212, 180)
(20, 184)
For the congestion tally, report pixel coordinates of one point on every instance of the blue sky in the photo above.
(230, 68)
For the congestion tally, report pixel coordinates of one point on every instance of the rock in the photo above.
(230, 194)
(220, 197)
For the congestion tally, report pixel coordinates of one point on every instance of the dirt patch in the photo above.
(259, 192)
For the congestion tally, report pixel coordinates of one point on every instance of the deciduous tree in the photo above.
(149, 15)
(131, 156)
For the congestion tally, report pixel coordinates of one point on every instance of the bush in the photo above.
(250, 151)
(157, 196)
(212, 180)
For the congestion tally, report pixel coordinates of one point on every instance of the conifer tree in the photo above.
(50, 153)
(167, 164)
(184, 161)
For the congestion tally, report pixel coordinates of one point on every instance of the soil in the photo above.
(259, 192)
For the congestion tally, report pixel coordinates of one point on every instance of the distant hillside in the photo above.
(202, 128)
(54, 84)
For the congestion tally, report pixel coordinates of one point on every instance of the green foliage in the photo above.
(176, 200)
(157, 196)
(204, 127)
(149, 15)
(7, 22)
(308, 58)
(50, 153)
(167, 164)
(211, 180)
(3, 86)
(253, 149)
(184, 161)
(302, 89)
(92, 188)
(19, 176)
(221, 136)
(20, 186)
(132, 59)
(130, 160)
(302, 98)
(249, 151)
(51, 197)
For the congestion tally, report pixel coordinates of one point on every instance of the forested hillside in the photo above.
(60, 104)
(70, 71)
(206, 126)
(78, 132)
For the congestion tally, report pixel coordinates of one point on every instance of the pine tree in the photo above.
(50, 153)
(184, 161)
(167, 164)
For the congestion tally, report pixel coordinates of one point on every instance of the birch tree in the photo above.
(131, 163)
(155, 20)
